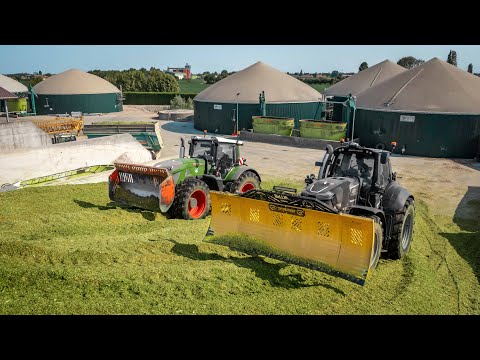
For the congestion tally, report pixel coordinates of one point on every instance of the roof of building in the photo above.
(434, 86)
(365, 79)
(12, 85)
(245, 86)
(6, 95)
(220, 139)
(74, 81)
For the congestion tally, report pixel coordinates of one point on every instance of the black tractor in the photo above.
(359, 181)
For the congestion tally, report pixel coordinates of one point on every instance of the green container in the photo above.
(326, 130)
(17, 105)
(273, 125)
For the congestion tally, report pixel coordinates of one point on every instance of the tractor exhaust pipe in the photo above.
(182, 148)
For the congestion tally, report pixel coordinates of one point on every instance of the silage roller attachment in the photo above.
(141, 186)
(294, 229)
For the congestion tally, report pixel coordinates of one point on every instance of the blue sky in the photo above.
(291, 58)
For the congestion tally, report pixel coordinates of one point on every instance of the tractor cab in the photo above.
(351, 175)
(371, 166)
(220, 154)
(348, 164)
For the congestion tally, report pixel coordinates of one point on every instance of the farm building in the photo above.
(215, 107)
(431, 110)
(17, 88)
(181, 72)
(359, 82)
(75, 90)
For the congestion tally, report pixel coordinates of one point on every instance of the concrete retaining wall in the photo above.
(31, 163)
(22, 135)
(176, 115)
(288, 140)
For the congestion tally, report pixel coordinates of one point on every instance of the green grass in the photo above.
(68, 250)
(194, 86)
(320, 87)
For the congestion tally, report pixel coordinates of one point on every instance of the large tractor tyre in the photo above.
(247, 181)
(192, 200)
(377, 242)
(402, 232)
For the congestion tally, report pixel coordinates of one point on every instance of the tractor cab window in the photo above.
(225, 156)
(354, 164)
(364, 164)
(200, 148)
(383, 175)
(336, 167)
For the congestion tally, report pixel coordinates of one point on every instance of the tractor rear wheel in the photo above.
(402, 232)
(247, 181)
(192, 200)
(377, 242)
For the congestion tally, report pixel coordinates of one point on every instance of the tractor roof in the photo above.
(219, 139)
(356, 147)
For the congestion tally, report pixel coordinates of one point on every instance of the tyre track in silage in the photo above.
(433, 228)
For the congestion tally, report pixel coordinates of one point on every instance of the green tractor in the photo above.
(181, 187)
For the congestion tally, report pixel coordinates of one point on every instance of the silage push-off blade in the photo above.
(337, 243)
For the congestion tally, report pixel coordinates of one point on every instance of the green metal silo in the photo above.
(75, 90)
(217, 108)
(431, 110)
(359, 82)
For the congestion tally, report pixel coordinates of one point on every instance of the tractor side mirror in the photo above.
(182, 148)
(319, 163)
(190, 148)
(384, 158)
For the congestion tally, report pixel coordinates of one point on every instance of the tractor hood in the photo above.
(339, 192)
(178, 165)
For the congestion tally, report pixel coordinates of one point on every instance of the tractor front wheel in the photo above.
(402, 232)
(192, 200)
(247, 181)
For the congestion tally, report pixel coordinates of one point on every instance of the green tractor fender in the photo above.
(237, 171)
(235, 178)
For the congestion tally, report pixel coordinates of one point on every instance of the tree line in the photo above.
(28, 79)
(142, 80)
(212, 78)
